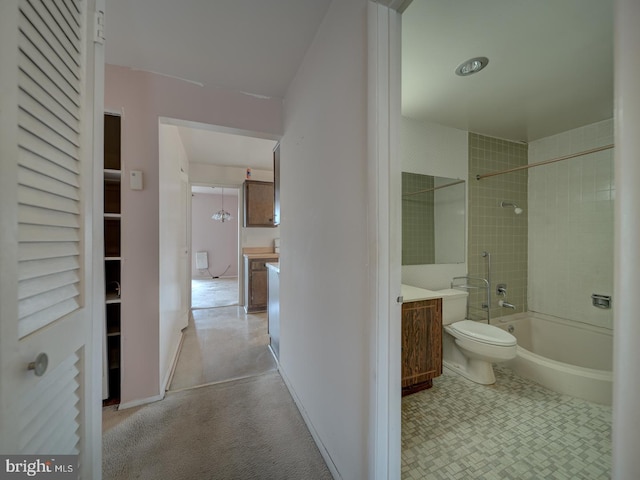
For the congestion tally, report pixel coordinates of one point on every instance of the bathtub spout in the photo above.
(504, 304)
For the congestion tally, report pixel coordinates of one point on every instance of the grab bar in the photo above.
(485, 285)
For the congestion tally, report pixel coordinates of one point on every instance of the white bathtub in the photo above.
(565, 356)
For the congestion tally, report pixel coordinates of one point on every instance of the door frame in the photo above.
(384, 54)
(238, 243)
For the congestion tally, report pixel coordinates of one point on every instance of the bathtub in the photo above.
(562, 355)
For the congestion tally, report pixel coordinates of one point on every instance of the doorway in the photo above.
(214, 246)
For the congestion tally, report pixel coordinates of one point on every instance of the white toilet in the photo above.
(469, 347)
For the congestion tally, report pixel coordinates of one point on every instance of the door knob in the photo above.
(40, 365)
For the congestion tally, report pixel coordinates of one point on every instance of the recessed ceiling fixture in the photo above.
(472, 66)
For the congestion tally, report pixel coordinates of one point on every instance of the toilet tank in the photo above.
(454, 305)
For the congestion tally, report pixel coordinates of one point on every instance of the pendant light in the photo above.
(222, 215)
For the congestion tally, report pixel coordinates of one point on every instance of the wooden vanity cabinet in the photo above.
(421, 344)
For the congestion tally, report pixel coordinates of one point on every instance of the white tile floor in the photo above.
(216, 292)
(514, 429)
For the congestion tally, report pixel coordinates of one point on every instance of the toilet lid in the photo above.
(484, 333)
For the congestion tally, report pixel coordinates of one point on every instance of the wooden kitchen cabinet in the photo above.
(421, 344)
(258, 204)
(256, 284)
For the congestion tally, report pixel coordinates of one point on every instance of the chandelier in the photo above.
(222, 215)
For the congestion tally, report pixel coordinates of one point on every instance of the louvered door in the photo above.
(46, 230)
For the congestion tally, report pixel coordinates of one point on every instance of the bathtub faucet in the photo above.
(504, 304)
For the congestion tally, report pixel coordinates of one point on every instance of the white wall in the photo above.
(324, 274)
(174, 208)
(432, 149)
(571, 225)
(218, 239)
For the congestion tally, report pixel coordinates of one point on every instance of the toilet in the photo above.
(468, 347)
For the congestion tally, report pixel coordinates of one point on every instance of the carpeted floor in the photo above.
(221, 344)
(247, 428)
(244, 429)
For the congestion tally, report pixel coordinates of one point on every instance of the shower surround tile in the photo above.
(513, 429)
(494, 229)
(571, 225)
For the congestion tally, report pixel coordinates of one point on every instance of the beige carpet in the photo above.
(222, 344)
(245, 429)
(248, 428)
(217, 292)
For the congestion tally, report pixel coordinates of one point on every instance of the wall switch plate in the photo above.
(135, 180)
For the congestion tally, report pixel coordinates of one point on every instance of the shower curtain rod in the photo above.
(545, 162)
(434, 188)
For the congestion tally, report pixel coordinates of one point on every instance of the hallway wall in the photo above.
(325, 318)
(143, 98)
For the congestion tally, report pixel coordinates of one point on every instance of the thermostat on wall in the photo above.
(135, 179)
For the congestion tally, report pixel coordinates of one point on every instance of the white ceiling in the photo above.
(225, 149)
(550, 61)
(227, 191)
(550, 65)
(252, 46)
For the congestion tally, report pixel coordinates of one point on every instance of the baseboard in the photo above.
(174, 361)
(140, 401)
(316, 438)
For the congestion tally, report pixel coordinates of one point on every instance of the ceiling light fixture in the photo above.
(472, 66)
(222, 215)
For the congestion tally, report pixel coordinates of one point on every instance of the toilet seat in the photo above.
(483, 333)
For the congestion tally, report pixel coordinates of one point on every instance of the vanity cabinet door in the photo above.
(421, 344)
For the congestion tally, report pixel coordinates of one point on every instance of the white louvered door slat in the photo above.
(36, 163)
(42, 417)
(40, 94)
(33, 269)
(51, 87)
(33, 74)
(45, 116)
(56, 249)
(30, 233)
(36, 180)
(35, 216)
(46, 200)
(46, 316)
(48, 23)
(46, 133)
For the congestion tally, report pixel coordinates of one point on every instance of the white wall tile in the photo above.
(571, 225)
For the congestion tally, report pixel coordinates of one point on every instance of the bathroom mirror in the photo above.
(433, 219)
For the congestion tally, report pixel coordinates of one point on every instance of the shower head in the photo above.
(516, 209)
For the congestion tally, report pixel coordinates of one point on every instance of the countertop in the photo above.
(416, 294)
(261, 255)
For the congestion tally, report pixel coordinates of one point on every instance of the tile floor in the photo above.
(514, 429)
(214, 292)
